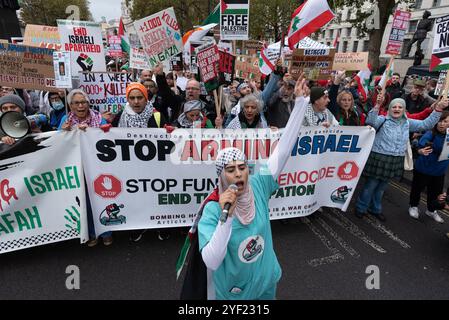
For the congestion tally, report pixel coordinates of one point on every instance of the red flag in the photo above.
(121, 28)
(337, 39)
(308, 18)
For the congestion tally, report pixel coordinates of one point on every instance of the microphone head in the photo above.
(234, 187)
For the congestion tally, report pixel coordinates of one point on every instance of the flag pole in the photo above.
(384, 85)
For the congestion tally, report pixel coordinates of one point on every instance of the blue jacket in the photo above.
(429, 164)
(392, 138)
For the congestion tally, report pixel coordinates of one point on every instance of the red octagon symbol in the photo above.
(107, 186)
(348, 171)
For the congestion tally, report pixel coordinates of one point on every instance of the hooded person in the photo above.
(192, 115)
(139, 112)
(57, 104)
(238, 251)
(386, 160)
(11, 102)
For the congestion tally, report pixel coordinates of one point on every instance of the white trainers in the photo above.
(435, 216)
(413, 212)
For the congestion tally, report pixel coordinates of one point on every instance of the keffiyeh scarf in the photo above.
(130, 119)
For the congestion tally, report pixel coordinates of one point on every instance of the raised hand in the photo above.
(107, 183)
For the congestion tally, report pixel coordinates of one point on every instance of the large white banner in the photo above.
(85, 43)
(42, 193)
(146, 178)
(160, 36)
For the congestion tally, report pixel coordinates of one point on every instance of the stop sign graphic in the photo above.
(107, 186)
(348, 171)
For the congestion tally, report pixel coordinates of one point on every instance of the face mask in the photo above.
(58, 105)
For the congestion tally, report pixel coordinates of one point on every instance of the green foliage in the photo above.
(189, 13)
(46, 12)
(268, 19)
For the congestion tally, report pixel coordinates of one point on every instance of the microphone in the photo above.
(227, 206)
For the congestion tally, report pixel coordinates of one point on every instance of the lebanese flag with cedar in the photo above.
(363, 79)
(307, 18)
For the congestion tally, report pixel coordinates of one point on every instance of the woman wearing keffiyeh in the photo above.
(192, 117)
(239, 255)
(81, 115)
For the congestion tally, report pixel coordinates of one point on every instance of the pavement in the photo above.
(329, 255)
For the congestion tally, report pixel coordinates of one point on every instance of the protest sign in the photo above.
(63, 72)
(441, 82)
(26, 67)
(350, 61)
(43, 196)
(167, 176)
(234, 19)
(107, 91)
(176, 63)
(247, 67)
(440, 53)
(160, 36)
(226, 67)
(315, 63)
(138, 60)
(115, 46)
(193, 58)
(208, 64)
(85, 43)
(398, 29)
(42, 36)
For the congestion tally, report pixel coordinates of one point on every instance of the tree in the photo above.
(46, 12)
(361, 17)
(269, 19)
(188, 12)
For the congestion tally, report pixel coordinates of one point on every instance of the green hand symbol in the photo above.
(73, 219)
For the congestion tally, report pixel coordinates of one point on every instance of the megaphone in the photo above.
(14, 124)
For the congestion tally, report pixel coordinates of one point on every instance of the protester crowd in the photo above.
(155, 100)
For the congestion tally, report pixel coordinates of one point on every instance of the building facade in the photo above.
(349, 39)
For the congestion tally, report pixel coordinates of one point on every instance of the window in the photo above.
(365, 45)
(335, 33)
(418, 4)
(355, 46)
(345, 46)
(412, 26)
(405, 45)
(436, 3)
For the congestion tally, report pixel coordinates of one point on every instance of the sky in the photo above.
(111, 9)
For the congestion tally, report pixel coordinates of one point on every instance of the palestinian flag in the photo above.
(126, 47)
(307, 18)
(439, 61)
(363, 79)
(234, 6)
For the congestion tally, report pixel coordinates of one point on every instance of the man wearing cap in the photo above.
(416, 101)
(281, 105)
(8, 103)
(317, 113)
